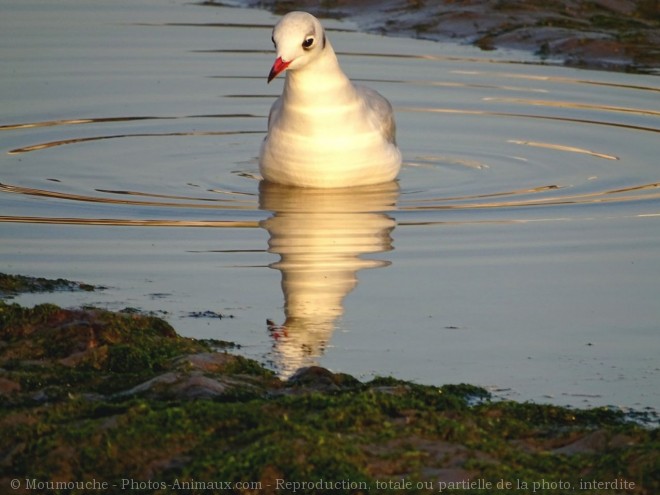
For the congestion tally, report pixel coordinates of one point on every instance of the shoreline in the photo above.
(615, 35)
(90, 394)
(13, 286)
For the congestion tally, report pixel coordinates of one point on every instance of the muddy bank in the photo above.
(603, 34)
(120, 399)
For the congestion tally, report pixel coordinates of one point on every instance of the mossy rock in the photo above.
(121, 398)
(80, 337)
(10, 285)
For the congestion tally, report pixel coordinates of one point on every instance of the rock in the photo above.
(604, 34)
(318, 378)
(211, 362)
(8, 387)
(177, 385)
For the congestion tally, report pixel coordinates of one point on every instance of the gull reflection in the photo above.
(320, 236)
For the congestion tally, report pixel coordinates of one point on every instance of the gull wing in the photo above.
(380, 112)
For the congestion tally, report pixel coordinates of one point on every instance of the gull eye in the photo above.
(307, 44)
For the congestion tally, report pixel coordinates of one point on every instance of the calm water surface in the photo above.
(519, 250)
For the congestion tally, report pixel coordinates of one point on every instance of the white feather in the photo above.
(323, 131)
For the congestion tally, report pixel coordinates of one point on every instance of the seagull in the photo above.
(324, 131)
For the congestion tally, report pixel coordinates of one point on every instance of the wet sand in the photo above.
(622, 35)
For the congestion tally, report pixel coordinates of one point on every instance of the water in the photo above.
(519, 250)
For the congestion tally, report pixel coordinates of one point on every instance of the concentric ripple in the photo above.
(524, 218)
(241, 195)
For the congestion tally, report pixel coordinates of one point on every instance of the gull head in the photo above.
(298, 38)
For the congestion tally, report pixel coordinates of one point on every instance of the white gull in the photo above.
(324, 131)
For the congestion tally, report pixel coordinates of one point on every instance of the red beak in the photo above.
(279, 66)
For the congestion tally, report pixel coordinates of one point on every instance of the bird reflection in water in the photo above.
(320, 236)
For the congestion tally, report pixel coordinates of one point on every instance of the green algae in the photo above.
(91, 394)
(93, 337)
(11, 285)
(614, 34)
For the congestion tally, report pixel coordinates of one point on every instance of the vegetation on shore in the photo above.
(603, 34)
(93, 395)
(10, 285)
